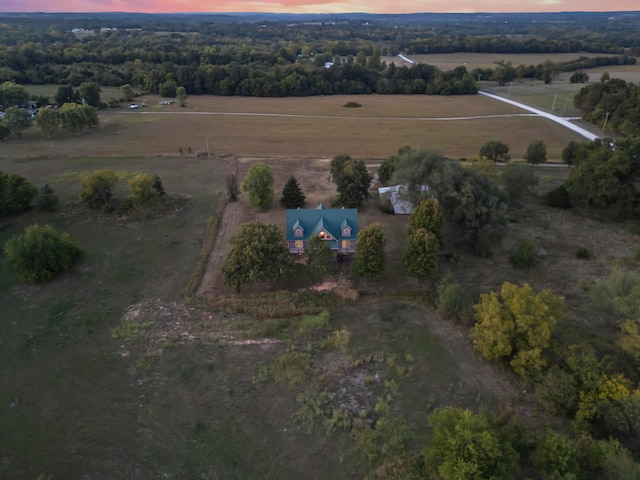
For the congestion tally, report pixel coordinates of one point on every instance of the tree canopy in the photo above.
(495, 150)
(259, 184)
(604, 176)
(258, 253)
(467, 446)
(468, 198)
(370, 254)
(17, 120)
(421, 255)
(517, 324)
(536, 152)
(352, 181)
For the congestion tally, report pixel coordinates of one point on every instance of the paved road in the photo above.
(565, 122)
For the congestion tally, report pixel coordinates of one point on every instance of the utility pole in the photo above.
(554, 102)
(207, 140)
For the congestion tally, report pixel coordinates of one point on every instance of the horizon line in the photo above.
(483, 12)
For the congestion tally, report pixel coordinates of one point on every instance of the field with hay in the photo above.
(301, 127)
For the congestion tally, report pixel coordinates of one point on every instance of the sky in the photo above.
(317, 6)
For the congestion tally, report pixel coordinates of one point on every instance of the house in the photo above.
(337, 226)
(397, 195)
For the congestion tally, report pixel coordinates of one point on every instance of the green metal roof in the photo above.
(331, 220)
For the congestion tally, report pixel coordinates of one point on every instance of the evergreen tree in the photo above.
(292, 195)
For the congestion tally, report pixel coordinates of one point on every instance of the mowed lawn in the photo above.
(302, 127)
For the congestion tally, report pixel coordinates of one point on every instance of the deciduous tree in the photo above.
(352, 181)
(428, 216)
(495, 150)
(370, 254)
(517, 324)
(536, 152)
(13, 94)
(604, 177)
(48, 119)
(258, 253)
(73, 117)
(90, 93)
(259, 185)
(181, 96)
(17, 120)
(67, 94)
(421, 257)
(555, 457)
(127, 93)
(467, 445)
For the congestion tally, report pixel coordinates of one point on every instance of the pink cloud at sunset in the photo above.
(314, 6)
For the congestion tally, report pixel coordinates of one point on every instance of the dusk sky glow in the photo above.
(316, 6)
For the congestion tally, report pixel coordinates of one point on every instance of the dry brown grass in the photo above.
(306, 127)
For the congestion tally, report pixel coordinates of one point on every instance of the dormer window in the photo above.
(346, 231)
(298, 232)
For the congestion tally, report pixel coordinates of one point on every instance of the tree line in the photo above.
(275, 58)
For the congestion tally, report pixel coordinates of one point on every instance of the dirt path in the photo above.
(235, 214)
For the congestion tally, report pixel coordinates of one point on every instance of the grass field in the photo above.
(108, 372)
(302, 127)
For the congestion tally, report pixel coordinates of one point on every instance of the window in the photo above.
(299, 244)
(346, 231)
(345, 243)
(298, 232)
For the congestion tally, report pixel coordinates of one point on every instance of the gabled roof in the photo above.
(331, 220)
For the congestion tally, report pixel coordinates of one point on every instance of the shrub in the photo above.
(97, 188)
(16, 193)
(451, 298)
(47, 199)
(40, 254)
(352, 105)
(524, 257)
(143, 191)
(559, 198)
